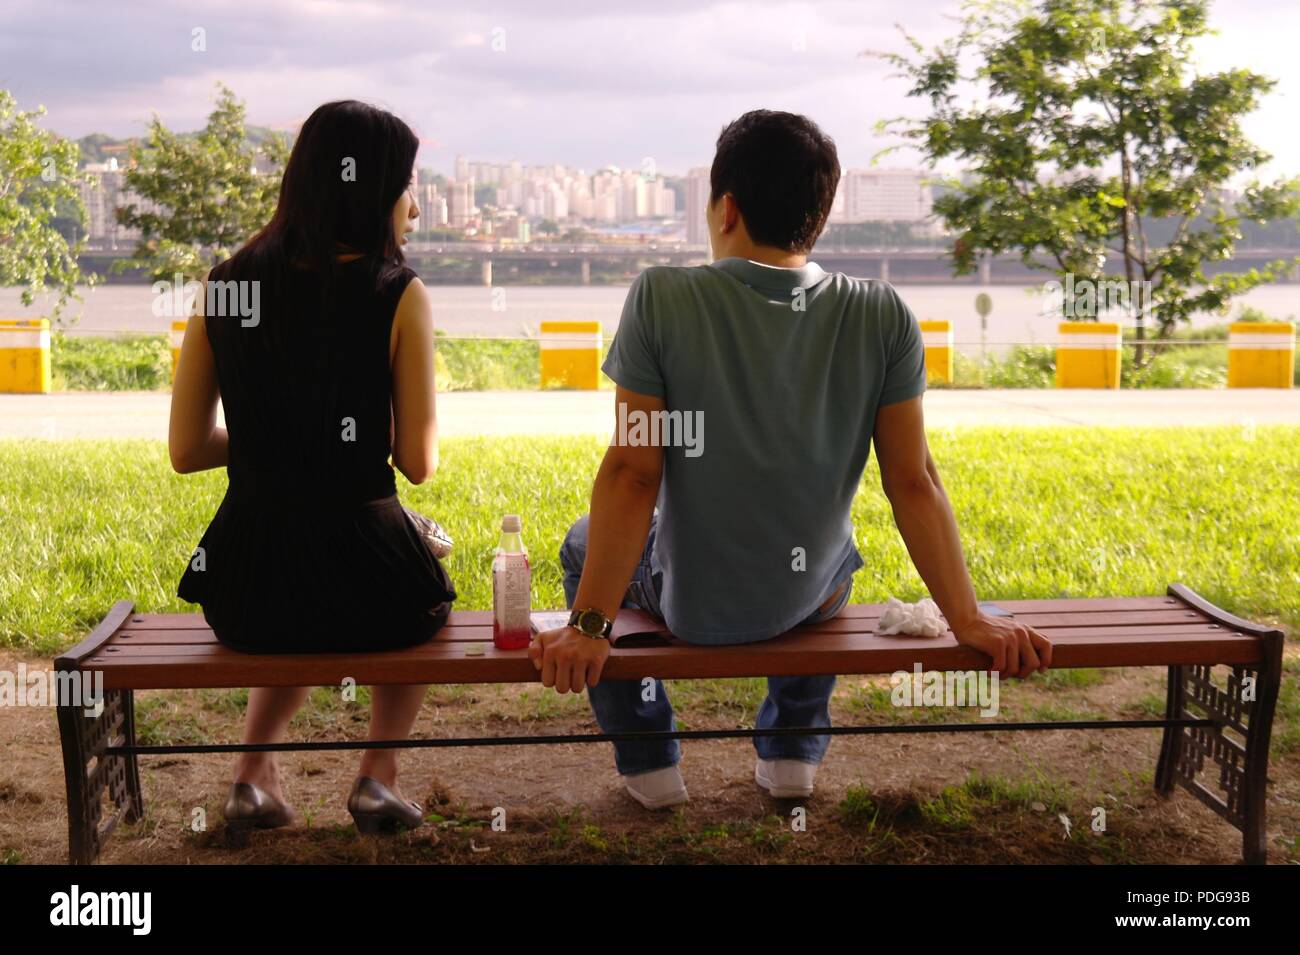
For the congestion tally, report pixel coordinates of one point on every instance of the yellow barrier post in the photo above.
(1261, 355)
(570, 353)
(1088, 355)
(937, 337)
(178, 336)
(25, 356)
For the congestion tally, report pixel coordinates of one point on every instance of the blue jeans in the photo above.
(621, 706)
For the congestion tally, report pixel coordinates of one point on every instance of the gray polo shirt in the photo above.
(781, 373)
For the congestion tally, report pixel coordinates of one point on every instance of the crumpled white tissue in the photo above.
(921, 619)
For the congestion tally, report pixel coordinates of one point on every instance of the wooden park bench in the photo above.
(1216, 732)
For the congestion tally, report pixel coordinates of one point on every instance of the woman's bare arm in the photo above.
(415, 413)
(193, 438)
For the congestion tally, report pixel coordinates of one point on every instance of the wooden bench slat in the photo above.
(807, 642)
(195, 621)
(189, 638)
(326, 670)
(1044, 620)
(476, 625)
(1052, 604)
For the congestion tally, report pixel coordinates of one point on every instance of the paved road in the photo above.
(144, 415)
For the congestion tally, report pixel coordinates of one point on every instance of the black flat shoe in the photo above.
(249, 808)
(375, 808)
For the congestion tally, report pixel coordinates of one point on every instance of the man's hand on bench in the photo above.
(568, 660)
(1016, 649)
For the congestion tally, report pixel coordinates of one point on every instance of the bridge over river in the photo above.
(567, 264)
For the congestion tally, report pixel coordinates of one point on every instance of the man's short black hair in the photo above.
(782, 171)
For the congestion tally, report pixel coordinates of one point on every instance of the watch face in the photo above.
(591, 621)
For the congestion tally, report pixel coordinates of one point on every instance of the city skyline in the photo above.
(521, 196)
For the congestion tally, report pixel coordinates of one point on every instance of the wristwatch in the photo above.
(591, 623)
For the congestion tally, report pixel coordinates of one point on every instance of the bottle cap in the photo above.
(510, 524)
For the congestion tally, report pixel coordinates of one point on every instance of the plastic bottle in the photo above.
(511, 589)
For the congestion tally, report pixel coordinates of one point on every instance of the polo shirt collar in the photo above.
(771, 278)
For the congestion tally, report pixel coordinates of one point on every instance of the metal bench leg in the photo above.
(89, 775)
(1169, 746)
(1254, 845)
(1237, 746)
(134, 810)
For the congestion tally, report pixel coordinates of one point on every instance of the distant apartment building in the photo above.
(605, 207)
(882, 195)
(460, 202)
(660, 199)
(433, 206)
(634, 197)
(607, 196)
(697, 202)
(548, 201)
(581, 203)
(437, 216)
(558, 192)
(102, 193)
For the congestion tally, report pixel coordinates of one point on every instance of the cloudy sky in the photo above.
(582, 82)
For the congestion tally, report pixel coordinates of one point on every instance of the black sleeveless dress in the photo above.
(310, 550)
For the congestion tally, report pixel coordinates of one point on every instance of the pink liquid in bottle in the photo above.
(511, 589)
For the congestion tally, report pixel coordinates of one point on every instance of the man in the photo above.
(777, 377)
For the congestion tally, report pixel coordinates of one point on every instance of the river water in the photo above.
(516, 311)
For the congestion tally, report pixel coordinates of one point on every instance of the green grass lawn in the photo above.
(144, 363)
(1044, 512)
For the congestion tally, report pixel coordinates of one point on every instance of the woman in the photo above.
(318, 341)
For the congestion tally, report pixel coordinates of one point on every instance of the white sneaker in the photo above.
(658, 789)
(785, 778)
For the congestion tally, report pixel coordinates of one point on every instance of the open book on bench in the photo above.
(632, 628)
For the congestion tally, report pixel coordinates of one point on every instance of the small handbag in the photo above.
(433, 534)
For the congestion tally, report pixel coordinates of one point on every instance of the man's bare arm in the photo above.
(622, 504)
(929, 529)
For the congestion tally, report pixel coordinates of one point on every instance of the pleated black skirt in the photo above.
(295, 575)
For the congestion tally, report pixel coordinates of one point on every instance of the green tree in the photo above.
(1079, 123)
(201, 195)
(39, 192)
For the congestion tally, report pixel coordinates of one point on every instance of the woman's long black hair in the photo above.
(349, 166)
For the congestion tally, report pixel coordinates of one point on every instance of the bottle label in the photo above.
(511, 592)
